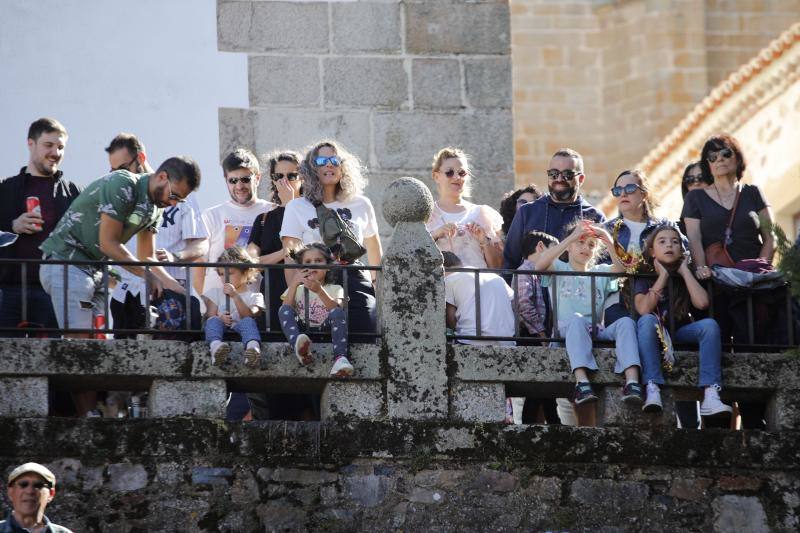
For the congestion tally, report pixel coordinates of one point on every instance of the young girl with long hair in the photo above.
(665, 254)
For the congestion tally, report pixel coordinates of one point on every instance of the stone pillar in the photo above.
(412, 298)
(200, 398)
(479, 402)
(23, 397)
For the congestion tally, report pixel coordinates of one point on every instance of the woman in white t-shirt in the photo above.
(333, 176)
(470, 231)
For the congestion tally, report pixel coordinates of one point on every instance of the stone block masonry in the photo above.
(394, 81)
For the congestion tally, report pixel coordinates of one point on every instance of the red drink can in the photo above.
(99, 325)
(33, 206)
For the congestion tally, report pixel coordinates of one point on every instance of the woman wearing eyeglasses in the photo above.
(265, 241)
(470, 231)
(333, 176)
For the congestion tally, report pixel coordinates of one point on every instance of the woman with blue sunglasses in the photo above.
(334, 177)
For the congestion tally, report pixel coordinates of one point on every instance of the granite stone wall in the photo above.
(394, 81)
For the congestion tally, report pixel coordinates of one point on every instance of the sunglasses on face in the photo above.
(450, 173)
(127, 165)
(38, 485)
(566, 175)
(727, 153)
(627, 189)
(243, 179)
(691, 180)
(291, 176)
(321, 161)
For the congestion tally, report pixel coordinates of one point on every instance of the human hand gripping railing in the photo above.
(556, 337)
(103, 266)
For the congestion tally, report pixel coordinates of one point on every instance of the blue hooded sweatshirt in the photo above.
(544, 215)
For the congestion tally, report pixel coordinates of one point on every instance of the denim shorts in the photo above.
(85, 295)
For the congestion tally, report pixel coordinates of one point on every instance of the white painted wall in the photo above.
(150, 67)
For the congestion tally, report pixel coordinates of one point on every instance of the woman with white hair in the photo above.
(333, 177)
(470, 231)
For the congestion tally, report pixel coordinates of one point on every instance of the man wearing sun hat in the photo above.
(30, 488)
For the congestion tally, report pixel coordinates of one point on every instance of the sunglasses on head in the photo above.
(566, 175)
(38, 485)
(321, 161)
(627, 189)
(243, 179)
(450, 173)
(291, 176)
(726, 153)
(691, 180)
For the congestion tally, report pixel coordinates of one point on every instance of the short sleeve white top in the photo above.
(300, 219)
(463, 244)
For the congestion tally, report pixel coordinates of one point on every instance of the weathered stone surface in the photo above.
(429, 25)
(783, 410)
(624, 496)
(256, 26)
(169, 473)
(479, 402)
(739, 513)
(366, 27)
(126, 477)
(302, 477)
(612, 411)
(739, 483)
(690, 489)
(407, 200)
(235, 130)
(494, 481)
(204, 475)
(67, 472)
(436, 83)
(409, 140)
(412, 320)
(358, 399)
(187, 398)
(365, 82)
(488, 82)
(284, 80)
(23, 396)
(300, 128)
(367, 491)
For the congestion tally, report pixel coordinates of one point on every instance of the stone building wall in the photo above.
(393, 81)
(612, 78)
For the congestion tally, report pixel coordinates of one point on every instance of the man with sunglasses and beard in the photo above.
(31, 487)
(42, 183)
(181, 237)
(230, 223)
(554, 211)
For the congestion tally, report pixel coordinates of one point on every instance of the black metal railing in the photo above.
(555, 337)
(271, 332)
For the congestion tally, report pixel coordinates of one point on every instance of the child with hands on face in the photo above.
(573, 299)
(234, 308)
(314, 288)
(664, 251)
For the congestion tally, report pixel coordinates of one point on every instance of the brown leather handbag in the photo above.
(717, 252)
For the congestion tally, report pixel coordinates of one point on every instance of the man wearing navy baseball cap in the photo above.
(30, 488)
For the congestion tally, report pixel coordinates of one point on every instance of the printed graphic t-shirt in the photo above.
(228, 224)
(317, 312)
(121, 195)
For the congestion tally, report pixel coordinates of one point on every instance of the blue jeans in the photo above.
(703, 332)
(335, 323)
(40, 309)
(579, 343)
(246, 327)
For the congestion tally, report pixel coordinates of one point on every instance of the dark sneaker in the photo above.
(584, 393)
(632, 394)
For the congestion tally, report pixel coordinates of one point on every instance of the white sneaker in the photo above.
(712, 405)
(219, 352)
(653, 402)
(342, 368)
(252, 354)
(302, 349)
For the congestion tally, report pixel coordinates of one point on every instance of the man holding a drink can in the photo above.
(31, 203)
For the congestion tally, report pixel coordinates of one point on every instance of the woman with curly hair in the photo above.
(265, 241)
(333, 177)
(470, 231)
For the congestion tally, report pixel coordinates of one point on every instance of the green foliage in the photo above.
(789, 263)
